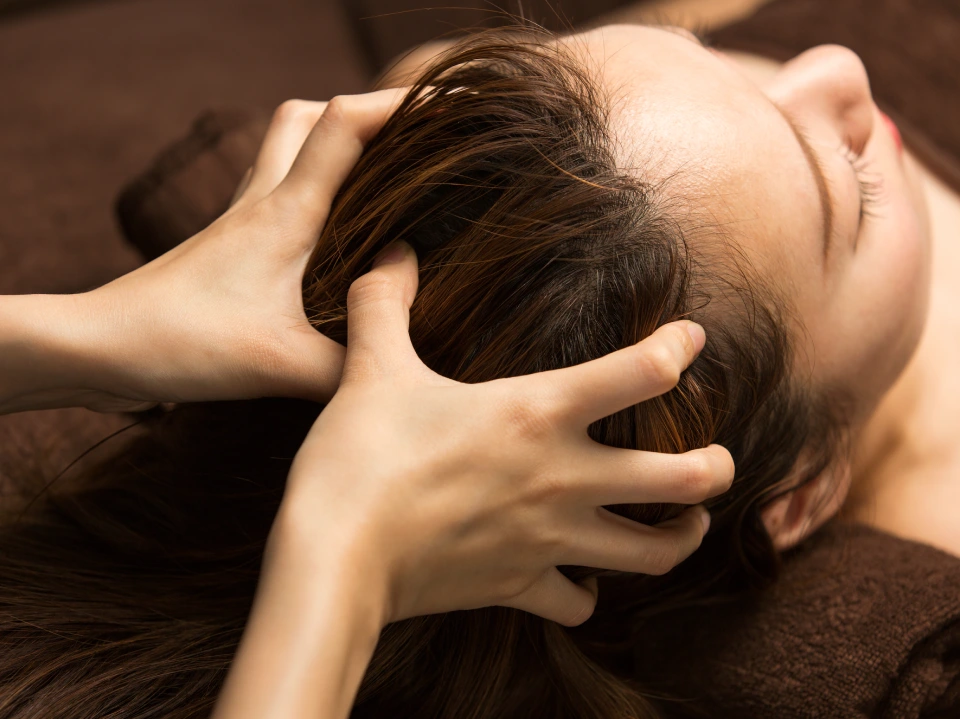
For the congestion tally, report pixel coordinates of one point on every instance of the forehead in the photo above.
(683, 117)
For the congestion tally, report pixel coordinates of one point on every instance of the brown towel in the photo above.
(191, 182)
(860, 624)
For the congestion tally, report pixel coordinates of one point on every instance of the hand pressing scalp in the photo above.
(218, 317)
(470, 495)
(414, 494)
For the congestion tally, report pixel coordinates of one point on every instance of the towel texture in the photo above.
(860, 624)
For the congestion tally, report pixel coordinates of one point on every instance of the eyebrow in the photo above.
(826, 203)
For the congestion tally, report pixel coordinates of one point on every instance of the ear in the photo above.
(796, 515)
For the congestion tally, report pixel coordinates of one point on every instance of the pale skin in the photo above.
(861, 298)
(862, 305)
(499, 501)
(906, 468)
(725, 127)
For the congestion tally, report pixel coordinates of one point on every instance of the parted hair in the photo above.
(124, 593)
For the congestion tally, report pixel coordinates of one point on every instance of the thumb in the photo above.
(378, 315)
(558, 599)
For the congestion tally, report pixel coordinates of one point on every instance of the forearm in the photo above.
(42, 359)
(312, 631)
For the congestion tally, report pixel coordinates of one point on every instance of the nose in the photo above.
(828, 84)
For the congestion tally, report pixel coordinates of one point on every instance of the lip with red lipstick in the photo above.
(894, 131)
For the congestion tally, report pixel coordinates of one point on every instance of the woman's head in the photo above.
(569, 195)
(802, 174)
(565, 197)
(803, 178)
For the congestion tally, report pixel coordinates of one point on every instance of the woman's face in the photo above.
(804, 175)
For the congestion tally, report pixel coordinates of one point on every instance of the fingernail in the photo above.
(705, 519)
(697, 334)
(391, 254)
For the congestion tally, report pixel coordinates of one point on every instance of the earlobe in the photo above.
(794, 516)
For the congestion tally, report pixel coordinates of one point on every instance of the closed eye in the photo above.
(871, 183)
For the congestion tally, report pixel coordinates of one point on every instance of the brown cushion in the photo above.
(191, 182)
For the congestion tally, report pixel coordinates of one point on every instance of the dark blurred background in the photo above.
(90, 90)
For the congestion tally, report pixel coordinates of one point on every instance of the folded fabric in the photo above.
(191, 182)
(860, 624)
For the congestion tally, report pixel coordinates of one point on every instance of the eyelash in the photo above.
(871, 185)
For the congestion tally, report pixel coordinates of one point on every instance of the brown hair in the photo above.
(126, 596)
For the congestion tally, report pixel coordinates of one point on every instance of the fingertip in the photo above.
(689, 529)
(728, 468)
(403, 257)
(585, 611)
(704, 519)
(394, 253)
(590, 584)
(697, 334)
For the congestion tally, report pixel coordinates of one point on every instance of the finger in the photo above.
(378, 314)
(242, 187)
(313, 366)
(597, 389)
(556, 598)
(291, 124)
(605, 475)
(334, 145)
(617, 543)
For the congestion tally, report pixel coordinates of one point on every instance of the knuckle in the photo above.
(548, 488)
(290, 111)
(527, 421)
(660, 368)
(371, 287)
(663, 558)
(845, 60)
(680, 335)
(338, 109)
(554, 542)
(697, 478)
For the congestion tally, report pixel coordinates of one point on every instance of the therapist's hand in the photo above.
(452, 496)
(413, 494)
(221, 316)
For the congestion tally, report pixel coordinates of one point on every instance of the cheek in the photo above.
(889, 283)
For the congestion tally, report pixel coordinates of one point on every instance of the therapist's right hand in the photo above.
(453, 496)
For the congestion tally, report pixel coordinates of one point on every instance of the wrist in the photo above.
(313, 629)
(311, 548)
(47, 347)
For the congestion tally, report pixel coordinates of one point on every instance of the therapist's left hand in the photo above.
(221, 316)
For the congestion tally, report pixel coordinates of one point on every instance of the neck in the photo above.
(907, 460)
